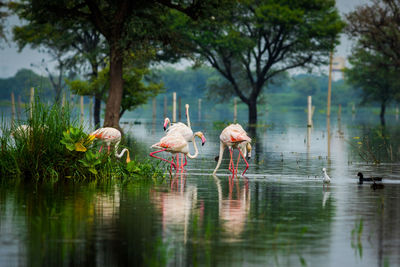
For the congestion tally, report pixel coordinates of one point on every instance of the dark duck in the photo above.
(363, 179)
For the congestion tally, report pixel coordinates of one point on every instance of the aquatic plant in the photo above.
(377, 145)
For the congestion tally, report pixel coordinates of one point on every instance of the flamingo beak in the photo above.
(91, 138)
(203, 140)
(165, 125)
(128, 159)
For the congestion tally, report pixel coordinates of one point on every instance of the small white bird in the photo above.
(327, 179)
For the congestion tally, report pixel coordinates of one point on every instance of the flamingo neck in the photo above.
(221, 153)
(116, 150)
(188, 118)
(196, 151)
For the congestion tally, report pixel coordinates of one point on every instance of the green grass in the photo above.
(46, 151)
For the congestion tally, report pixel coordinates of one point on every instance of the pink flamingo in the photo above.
(234, 136)
(111, 135)
(176, 143)
(183, 129)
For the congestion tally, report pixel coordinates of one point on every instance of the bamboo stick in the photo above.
(31, 101)
(12, 108)
(174, 107)
(328, 105)
(309, 111)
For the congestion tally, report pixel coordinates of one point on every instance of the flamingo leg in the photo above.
(182, 166)
(185, 162)
(237, 163)
(231, 164)
(155, 152)
(108, 149)
(100, 148)
(247, 164)
(177, 161)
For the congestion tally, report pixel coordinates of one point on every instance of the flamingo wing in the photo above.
(182, 129)
(173, 143)
(234, 133)
(107, 134)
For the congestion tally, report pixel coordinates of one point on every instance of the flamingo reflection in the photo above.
(177, 206)
(234, 210)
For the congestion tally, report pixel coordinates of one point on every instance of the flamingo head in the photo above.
(323, 169)
(166, 121)
(187, 109)
(201, 135)
(90, 138)
(249, 148)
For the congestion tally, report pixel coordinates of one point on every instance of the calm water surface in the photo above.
(279, 214)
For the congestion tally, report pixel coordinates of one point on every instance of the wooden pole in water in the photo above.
(328, 105)
(165, 106)
(154, 102)
(19, 107)
(179, 108)
(174, 107)
(12, 108)
(235, 110)
(199, 115)
(90, 112)
(31, 100)
(309, 111)
(82, 112)
(397, 112)
(340, 112)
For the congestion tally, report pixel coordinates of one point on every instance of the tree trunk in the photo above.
(252, 113)
(111, 118)
(97, 109)
(97, 95)
(382, 115)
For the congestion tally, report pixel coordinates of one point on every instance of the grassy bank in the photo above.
(52, 145)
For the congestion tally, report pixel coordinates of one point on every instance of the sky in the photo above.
(11, 60)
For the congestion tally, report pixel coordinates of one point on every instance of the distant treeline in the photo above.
(290, 91)
(287, 92)
(21, 83)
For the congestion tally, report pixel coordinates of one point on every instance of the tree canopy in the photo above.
(3, 16)
(124, 24)
(376, 28)
(377, 81)
(253, 41)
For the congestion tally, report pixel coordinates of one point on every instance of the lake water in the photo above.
(279, 214)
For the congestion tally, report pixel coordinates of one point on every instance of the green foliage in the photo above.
(139, 84)
(90, 161)
(376, 145)
(377, 82)
(3, 16)
(50, 145)
(253, 41)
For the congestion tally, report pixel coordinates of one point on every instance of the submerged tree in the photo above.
(253, 41)
(377, 81)
(376, 57)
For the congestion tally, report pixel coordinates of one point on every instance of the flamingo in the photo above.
(183, 129)
(176, 143)
(110, 135)
(232, 137)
